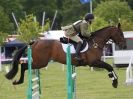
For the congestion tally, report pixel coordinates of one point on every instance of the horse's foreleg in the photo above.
(109, 68)
(24, 66)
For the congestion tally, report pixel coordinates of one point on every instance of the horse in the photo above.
(49, 49)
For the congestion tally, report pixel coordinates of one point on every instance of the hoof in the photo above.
(16, 82)
(115, 83)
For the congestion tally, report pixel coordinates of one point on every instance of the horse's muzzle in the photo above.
(122, 45)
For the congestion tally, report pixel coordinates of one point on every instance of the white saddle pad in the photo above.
(72, 49)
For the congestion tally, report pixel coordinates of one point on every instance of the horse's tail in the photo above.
(11, 74)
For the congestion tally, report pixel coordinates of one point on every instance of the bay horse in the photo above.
(49, 49)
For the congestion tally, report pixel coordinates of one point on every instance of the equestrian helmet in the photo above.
(89, 16)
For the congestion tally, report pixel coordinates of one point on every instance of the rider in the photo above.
(78, 30)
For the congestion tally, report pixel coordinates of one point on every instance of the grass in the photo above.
(89, 85)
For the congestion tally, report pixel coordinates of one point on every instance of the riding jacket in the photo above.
(77, 30)
(78, 27)
(81, 28)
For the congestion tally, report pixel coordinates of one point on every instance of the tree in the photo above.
(73, 10)
(37, 7)
(29, 29)
(2, 37)
(130, 2)
(127, 25)
(113, 10)
(12, 6)
(99, 23)
(5, 25)
(7, 7)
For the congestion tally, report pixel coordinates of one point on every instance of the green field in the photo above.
(90, 85)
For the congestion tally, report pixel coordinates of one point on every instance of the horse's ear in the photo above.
(119, 25)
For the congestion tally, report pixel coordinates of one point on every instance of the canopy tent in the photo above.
(14, 43)
(11, 46)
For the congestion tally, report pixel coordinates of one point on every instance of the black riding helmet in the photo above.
(89, 16)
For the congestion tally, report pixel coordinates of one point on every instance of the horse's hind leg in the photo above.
(109, 68)
(24, 66)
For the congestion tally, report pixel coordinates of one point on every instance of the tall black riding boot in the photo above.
(78, 51)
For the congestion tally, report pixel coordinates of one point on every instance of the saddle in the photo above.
(66, 41)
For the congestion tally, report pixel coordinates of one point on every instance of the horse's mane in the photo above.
(98, 31)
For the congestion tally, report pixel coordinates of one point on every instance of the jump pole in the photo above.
(129, 73)
(71, 77)
(34, 89)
